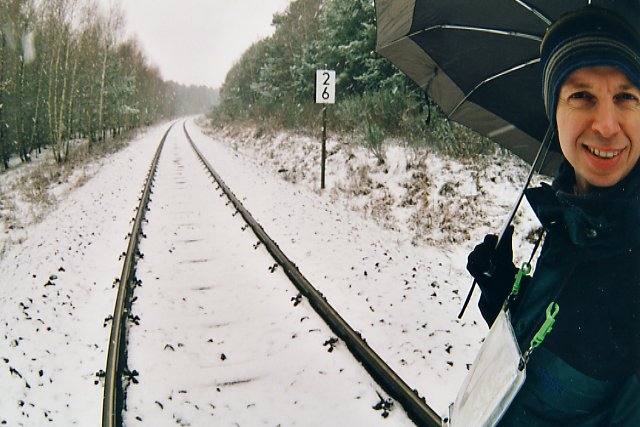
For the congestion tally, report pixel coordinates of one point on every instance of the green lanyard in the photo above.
(552, 311)
(547, 326)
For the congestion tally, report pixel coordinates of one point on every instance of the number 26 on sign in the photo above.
(325, 86)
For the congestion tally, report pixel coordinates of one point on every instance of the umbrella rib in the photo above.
(479, 29)
(464, 28)
(488, 79)
(534, 11)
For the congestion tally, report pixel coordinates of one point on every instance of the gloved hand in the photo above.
(493, 267)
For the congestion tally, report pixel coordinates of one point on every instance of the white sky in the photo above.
(197, 41)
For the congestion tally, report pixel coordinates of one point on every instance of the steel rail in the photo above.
(113, 399)
(414, 405)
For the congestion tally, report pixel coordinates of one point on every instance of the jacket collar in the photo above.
(605, 221)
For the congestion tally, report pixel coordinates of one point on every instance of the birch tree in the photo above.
(5, 151)
(65, 74)
(112, 25)
(10, 20)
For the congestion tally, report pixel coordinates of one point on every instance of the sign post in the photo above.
(325, 94)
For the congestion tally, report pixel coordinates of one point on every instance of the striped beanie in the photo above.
(589, 37)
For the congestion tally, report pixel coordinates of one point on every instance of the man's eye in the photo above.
(580, 99)
(580, 95)
(626, 97)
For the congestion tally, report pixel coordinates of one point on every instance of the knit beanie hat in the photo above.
(589, 37)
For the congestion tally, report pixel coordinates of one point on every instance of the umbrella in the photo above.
(479, 60)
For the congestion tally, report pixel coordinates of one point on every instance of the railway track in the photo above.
(118, 373)
(113, 400)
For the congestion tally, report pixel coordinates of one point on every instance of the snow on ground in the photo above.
(57, 290)
(401, 285)
(222, 339)
(385, 243)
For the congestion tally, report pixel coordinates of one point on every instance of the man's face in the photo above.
(598, 119)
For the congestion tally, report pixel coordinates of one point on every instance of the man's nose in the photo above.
(606, 121)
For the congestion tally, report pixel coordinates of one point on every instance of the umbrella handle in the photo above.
(466, 301)
(544, 148)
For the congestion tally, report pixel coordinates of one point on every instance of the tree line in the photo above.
(66, 74)
(273, 82)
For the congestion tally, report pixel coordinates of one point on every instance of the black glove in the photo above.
(493, 267)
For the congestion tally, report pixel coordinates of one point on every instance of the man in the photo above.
(586, 371)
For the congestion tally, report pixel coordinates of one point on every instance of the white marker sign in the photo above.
(325, 86)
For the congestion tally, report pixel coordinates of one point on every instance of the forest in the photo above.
(273, 82)
(67, 74)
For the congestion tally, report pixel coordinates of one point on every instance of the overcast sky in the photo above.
(197, 41)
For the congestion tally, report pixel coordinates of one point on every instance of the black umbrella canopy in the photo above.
(480, 60)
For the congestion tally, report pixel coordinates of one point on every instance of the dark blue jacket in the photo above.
(586, 371)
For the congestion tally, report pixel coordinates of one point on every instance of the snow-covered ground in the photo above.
(385, 243)
(222, 338)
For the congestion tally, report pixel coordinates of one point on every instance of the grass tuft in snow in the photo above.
(28, 191)
(436, 198)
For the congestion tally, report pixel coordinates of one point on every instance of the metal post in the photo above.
(324, 145)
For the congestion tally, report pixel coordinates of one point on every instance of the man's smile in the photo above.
(603, 154)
